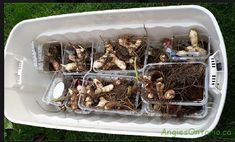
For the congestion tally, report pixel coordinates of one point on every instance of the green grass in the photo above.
(225, 15)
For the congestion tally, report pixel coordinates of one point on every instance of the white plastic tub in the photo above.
(24, 84)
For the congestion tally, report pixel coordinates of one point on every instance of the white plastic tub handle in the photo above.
(214, 80)
(14, 71)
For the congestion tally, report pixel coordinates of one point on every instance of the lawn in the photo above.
(225, 15)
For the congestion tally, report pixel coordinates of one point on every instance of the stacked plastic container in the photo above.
(145, 107)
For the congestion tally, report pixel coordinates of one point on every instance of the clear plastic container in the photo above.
(157, 48)
(65, 60)
(137, 102)
(203, 42)
(99, 50)
(39, 51)
(48, 97)
(204, 99)
(68, 108)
